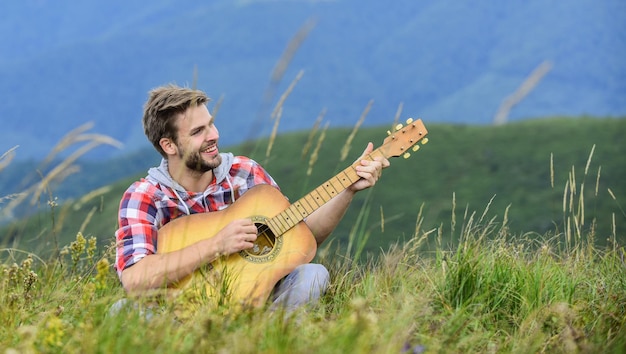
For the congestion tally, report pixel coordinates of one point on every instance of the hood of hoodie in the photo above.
(162, 175)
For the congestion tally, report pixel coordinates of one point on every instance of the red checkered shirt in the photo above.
(147, 205)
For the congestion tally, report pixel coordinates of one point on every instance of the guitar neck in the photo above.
(321, 195)
(396, 144)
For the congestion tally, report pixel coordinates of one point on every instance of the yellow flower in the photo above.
(53, 332)
(102, 272)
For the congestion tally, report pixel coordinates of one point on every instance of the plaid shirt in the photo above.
(148, 205)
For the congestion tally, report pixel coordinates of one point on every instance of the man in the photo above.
(194, 177)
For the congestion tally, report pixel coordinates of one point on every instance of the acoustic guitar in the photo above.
(284, 241)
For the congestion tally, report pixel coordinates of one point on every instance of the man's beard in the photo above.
(195, 162)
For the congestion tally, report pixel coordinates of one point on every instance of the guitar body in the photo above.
(247, 277)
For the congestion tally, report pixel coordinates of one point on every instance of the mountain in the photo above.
(64, 63)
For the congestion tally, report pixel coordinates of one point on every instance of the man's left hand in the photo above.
(369, 170)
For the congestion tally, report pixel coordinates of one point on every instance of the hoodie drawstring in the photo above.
(183, 202)
(232, 190)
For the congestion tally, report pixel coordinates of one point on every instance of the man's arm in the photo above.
(160, 269)
(324, 220)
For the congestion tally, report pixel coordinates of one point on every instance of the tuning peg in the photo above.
(388, 132)
(398, 127)
(409, 121)
(424, 141)
(416, 147)
(406, 155)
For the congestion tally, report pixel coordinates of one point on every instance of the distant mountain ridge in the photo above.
(64, 63)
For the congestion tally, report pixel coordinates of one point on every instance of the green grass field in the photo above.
(492, 293)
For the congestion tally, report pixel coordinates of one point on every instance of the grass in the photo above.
(492, 293)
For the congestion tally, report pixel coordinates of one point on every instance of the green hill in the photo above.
(463, 168)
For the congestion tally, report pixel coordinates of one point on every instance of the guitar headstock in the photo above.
(404, 138)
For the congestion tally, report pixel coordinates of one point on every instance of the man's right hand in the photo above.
(237, 236)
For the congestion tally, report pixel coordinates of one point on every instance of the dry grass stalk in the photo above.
(419, 220)
(611, 193)
(12, 251)
(615, 199)
(415, 242)
(552, 170)
(346, 147)
(65, 167)
(290, 51)
(593, 148)
(574, 203)
(216, 106)
(59, 221)
(91, 195)
(10, 197)
(69, 139)
(522, 91)
(286, 94)
(277, 74)
(315, 152)
(278, 112)
(309, 141)
(59, 172)
(7, 157)
(598, 180)
(504, 229)
(567, 233)
(84, 224)
(453, 216)
(396, 118)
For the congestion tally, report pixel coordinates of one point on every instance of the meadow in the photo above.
(470, 285)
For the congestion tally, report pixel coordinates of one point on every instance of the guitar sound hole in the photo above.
(265, 242)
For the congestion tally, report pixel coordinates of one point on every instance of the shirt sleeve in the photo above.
(136, 236)
(258, 175)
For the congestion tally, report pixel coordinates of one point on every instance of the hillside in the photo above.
(509, 163)
(64, 63)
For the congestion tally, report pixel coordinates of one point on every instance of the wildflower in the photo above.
(12, 274)
(53, 203)
(27, 263)
(29, 280)
(91, 247)
(102, 271)
(53, 332)
(87, 294)
(77, 247)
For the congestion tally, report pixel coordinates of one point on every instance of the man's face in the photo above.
(197, 140)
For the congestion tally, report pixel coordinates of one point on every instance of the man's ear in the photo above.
(168, 146)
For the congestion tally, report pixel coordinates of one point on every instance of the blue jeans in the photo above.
(305, 285)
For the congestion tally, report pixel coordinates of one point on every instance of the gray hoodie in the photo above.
(161, 175)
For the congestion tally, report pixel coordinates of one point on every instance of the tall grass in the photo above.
(493, 291)
(52, 171)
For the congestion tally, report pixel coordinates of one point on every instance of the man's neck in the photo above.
(192, 181)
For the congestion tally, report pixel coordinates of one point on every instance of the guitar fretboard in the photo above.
(321, 195)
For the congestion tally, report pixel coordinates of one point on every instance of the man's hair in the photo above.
(164, 104)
